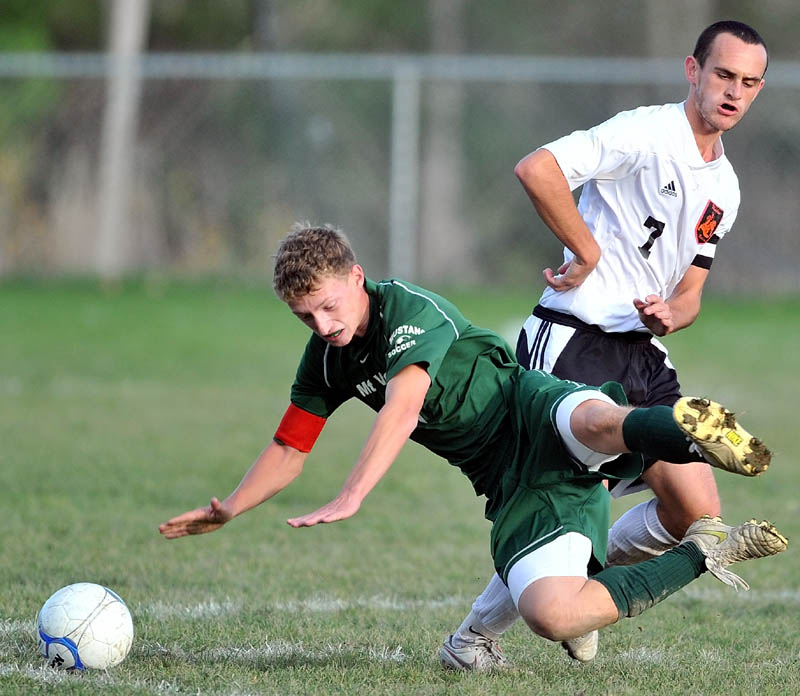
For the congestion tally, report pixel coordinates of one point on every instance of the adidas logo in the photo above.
(669, 190)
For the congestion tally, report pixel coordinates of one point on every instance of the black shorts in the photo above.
(571, 349)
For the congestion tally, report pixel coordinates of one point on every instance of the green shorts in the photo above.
(533, 517)
(545, 492)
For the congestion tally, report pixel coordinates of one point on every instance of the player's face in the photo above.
(723, 89)
(337, 310)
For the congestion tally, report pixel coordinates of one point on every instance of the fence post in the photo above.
(404, 184)
(127, 34)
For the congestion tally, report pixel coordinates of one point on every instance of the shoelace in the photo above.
(493, 648)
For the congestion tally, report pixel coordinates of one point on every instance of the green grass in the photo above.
(120, 408)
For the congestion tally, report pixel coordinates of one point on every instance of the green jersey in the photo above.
(483, 412)
(465, 417)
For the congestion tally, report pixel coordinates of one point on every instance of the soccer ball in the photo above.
(84, 626)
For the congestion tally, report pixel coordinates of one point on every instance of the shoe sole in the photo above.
(727, 444)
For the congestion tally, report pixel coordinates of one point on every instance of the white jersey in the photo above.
(652, 203)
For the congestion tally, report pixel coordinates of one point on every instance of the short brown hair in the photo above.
(740, 30)
(307, 254)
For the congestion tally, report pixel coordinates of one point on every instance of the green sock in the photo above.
(638, 587)
(654, 432)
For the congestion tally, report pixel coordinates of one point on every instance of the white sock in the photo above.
(493, 613)
(637, 536)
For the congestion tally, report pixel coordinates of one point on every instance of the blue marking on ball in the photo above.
(67, 643)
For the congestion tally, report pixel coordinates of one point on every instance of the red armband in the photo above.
(299, 429)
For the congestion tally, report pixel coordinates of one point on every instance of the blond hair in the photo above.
(306, 255)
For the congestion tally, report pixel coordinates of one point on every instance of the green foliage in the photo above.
(51, 25)
(122, 406)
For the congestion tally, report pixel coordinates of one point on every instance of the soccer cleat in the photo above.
(723, 545)
(721, 440)
(583, 648)
(479, 654)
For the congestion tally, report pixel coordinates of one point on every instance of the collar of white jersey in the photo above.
(719, 148)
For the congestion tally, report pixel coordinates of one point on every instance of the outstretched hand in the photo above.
(199, 521)
(655, 314)
(340, 508)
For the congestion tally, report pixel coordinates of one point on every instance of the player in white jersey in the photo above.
(653, 205)
(658, 195)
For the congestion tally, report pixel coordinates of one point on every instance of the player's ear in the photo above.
(357, 275)
(691, 68)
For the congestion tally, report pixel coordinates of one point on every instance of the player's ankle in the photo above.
(470, 629)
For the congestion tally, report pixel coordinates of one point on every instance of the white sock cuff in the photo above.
(654, 526)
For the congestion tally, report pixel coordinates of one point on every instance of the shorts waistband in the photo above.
(565, 319)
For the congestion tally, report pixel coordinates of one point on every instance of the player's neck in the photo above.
(708, 145)
(706, 136)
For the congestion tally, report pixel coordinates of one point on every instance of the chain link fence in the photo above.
(229, 152)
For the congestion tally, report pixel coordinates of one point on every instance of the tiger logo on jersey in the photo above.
(708, 223)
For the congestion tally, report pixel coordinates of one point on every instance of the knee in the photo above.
(549, 622)
(597, 421)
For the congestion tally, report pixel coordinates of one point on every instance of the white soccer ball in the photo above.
(84, 626)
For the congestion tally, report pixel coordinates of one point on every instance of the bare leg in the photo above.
(560, 608)
(598, 425)
(685, 493)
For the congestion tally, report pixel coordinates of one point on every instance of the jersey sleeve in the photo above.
(609, 151)
(420, 328)
(314, 390)
(708, 250)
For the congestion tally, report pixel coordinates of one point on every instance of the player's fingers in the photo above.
(174, 521)
(557, 282)
(321, 516)
(171, 532)
(303, 521)
(189, 517)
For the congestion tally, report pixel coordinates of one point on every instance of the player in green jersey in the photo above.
(537, 447)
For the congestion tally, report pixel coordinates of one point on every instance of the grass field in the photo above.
(120, 408)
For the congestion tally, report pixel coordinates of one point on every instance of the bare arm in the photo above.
(274, 469)
(405, 395)
(678, 311)
(548, 189)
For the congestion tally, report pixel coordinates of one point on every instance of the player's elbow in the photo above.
(524, 171)
(535, 170)
(407, 421)
(287, 459)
